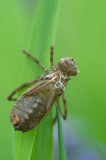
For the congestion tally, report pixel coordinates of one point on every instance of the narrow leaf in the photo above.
(61, 147)
(37, 144)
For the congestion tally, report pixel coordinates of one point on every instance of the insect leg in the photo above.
(20, 87)
(51, 55)
(65, 106)
(28, 54)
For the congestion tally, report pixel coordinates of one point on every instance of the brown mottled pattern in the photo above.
(30, 109)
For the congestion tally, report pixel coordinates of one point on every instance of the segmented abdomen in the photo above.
(28, 111)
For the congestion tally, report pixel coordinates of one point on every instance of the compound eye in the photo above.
(72, 63)
(65, 61)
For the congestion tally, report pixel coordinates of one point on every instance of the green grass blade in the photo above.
(62, 151)
(37, 144)
(23, 145)
(42, 148)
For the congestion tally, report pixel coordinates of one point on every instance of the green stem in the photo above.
(61, 147)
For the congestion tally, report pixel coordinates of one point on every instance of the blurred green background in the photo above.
(81, 34)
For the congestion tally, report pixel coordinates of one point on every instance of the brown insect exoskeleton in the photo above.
(36, 102)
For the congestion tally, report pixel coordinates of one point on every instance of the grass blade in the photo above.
(62, 151)
(37, 144)
(42, 148)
